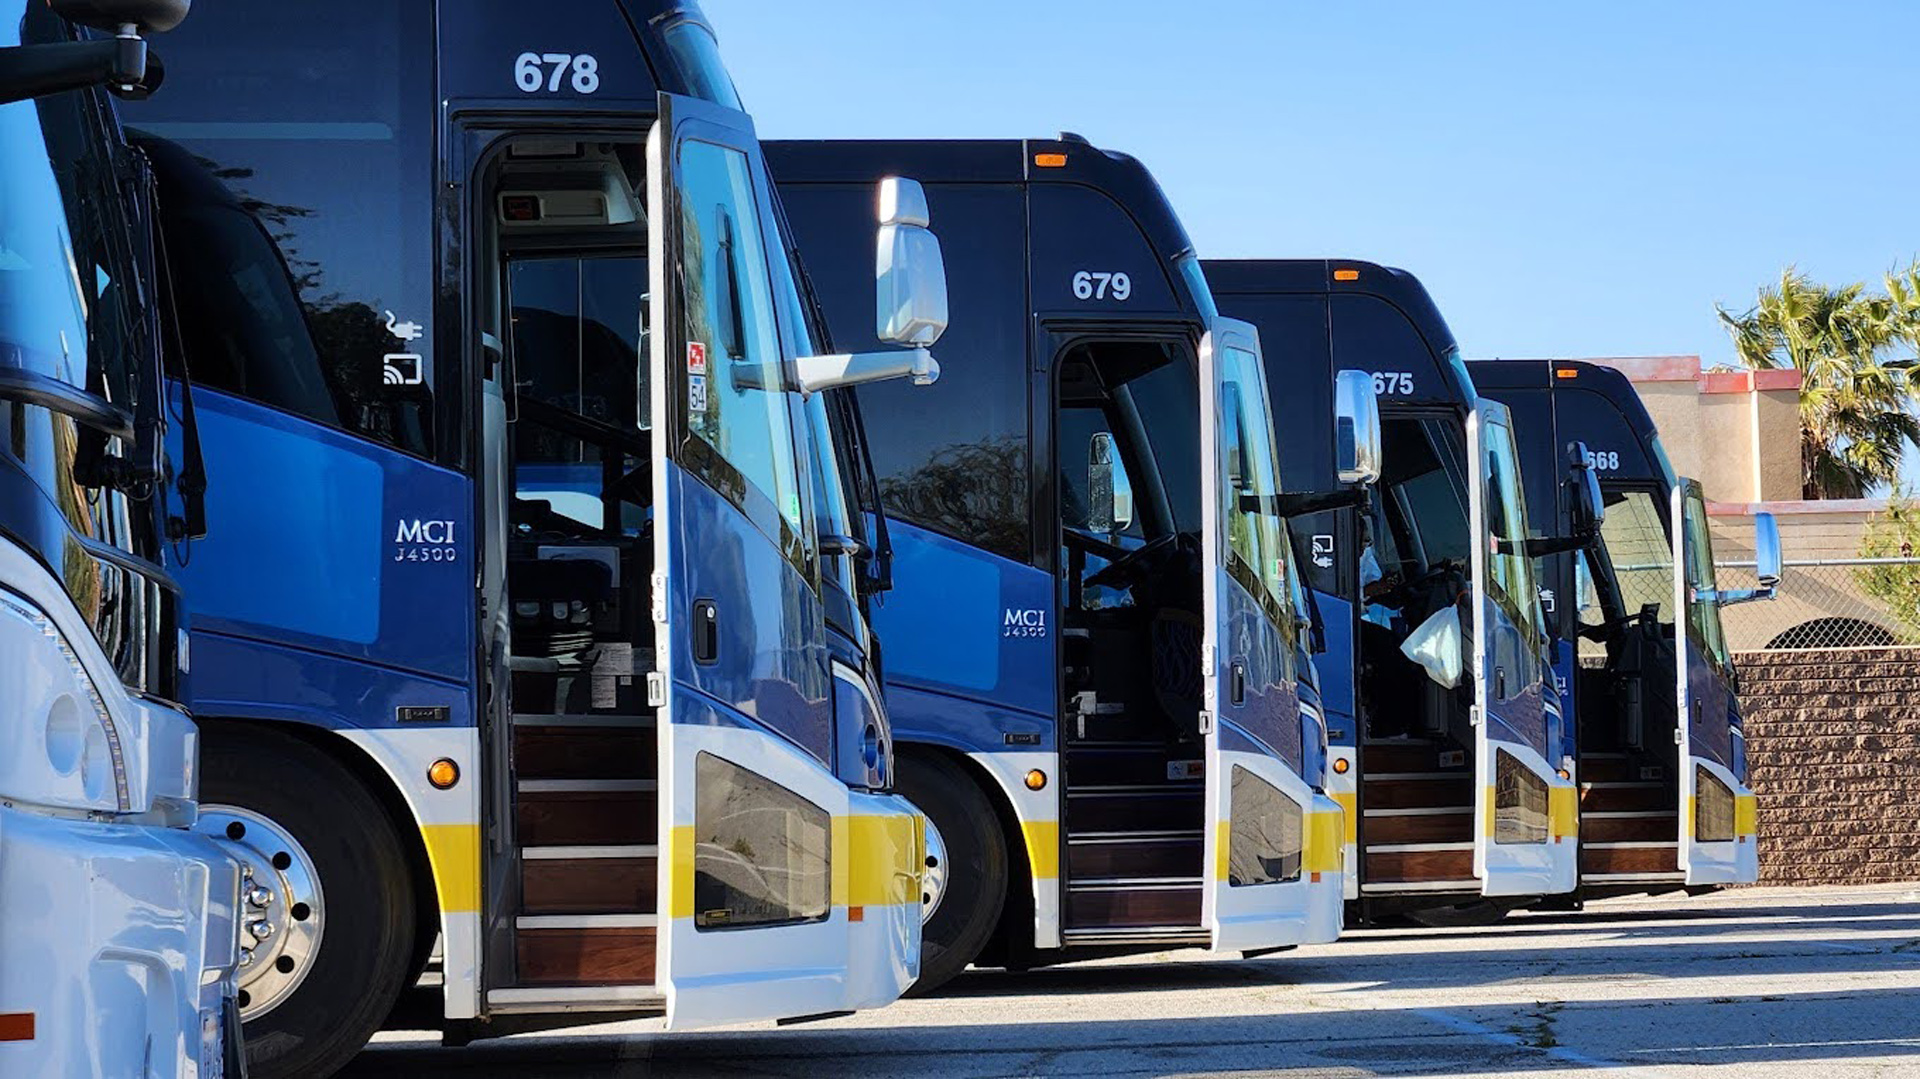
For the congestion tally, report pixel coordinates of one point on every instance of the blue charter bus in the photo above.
(1453, 769)
(531, 619)
(119, 927)
(1654, 715)
(1092, 643)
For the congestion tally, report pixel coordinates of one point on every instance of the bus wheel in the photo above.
(327, 903)
(970, 887)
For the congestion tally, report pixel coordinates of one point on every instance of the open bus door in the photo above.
(1271, 838)
(754, 831)
(1523, 811)
(1717, 823)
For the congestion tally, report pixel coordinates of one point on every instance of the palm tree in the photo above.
(1857, 419)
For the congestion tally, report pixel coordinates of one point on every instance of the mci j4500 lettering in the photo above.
(1647, 678)
(118, 934)
(1447, 744)
(532, 609)
(1092, 649)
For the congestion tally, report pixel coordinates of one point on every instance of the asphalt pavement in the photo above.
(1753, 982)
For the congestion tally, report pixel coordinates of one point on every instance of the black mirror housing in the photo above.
(144, 16)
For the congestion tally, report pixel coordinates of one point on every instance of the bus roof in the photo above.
(1335, 276)
(1065, 160)
(1590, 403)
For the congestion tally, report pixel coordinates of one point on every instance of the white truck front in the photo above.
(118, 927)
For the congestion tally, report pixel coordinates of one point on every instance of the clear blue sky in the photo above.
(1568, 179)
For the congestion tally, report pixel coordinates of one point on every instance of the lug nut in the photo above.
(259, 897)
(246, 957)
(261, 930)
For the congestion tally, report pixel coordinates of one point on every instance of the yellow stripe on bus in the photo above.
(1746, 815)
(1563, 804)
(454, 852)
(1043, 847)
(877, 862)
(1348, 801)
(1325, 841)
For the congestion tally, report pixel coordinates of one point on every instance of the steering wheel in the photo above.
(1131, 565)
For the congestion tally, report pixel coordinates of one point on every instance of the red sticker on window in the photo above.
(696, 357)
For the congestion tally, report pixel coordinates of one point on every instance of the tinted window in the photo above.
(1256, 536)
(1293, 340)
(730, 320)
(952, 456)
(761, 853)
(697, 56)
(576, 347)
(300, 170)
(1635, 537)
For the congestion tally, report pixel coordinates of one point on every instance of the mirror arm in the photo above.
(29, 71)
(1727, 597)
(811, 374)
(1539, 546)
(1296, 505)
(831, 544)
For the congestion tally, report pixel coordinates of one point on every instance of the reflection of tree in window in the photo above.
(256, 317)
(972, 490)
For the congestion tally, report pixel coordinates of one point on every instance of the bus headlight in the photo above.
(79, 762)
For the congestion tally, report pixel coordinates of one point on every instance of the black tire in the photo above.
(976, 870)
(367, 946)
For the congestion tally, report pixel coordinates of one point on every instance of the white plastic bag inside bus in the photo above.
(1436, 646)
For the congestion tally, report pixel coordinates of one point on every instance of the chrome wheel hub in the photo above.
(933, 875)
(282, 911)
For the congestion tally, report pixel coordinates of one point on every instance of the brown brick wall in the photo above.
(1833, 754)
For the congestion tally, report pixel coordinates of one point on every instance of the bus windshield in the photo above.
(66, 266)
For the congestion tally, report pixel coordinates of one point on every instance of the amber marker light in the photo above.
(1341, 764)
(1346, 275)
(1036, 779)
(1564, 774)
(1050, 161)
(443, 774)
(1566, 372)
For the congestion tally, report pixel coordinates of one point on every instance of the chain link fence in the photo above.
(1826, 603)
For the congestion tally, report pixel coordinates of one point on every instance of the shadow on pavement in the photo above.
(1427, 1041)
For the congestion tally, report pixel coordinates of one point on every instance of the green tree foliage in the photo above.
(1894, 534)
(1853, 349)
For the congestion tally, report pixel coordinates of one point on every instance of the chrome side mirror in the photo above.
(910, 299)
(910, 275)
(1766, 553)
(1356, 428)
(1109, 491)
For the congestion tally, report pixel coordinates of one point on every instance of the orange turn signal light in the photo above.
(1564, 774)
(1050, 161)
(1566, 372)
(1341, 764)
(1346, 275)
(443, 774)
(1036, 779)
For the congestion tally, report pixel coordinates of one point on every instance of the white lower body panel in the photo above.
(120, 942)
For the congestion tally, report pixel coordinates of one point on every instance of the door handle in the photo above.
(1500, 683)
(706, 632)
(1237, 683)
